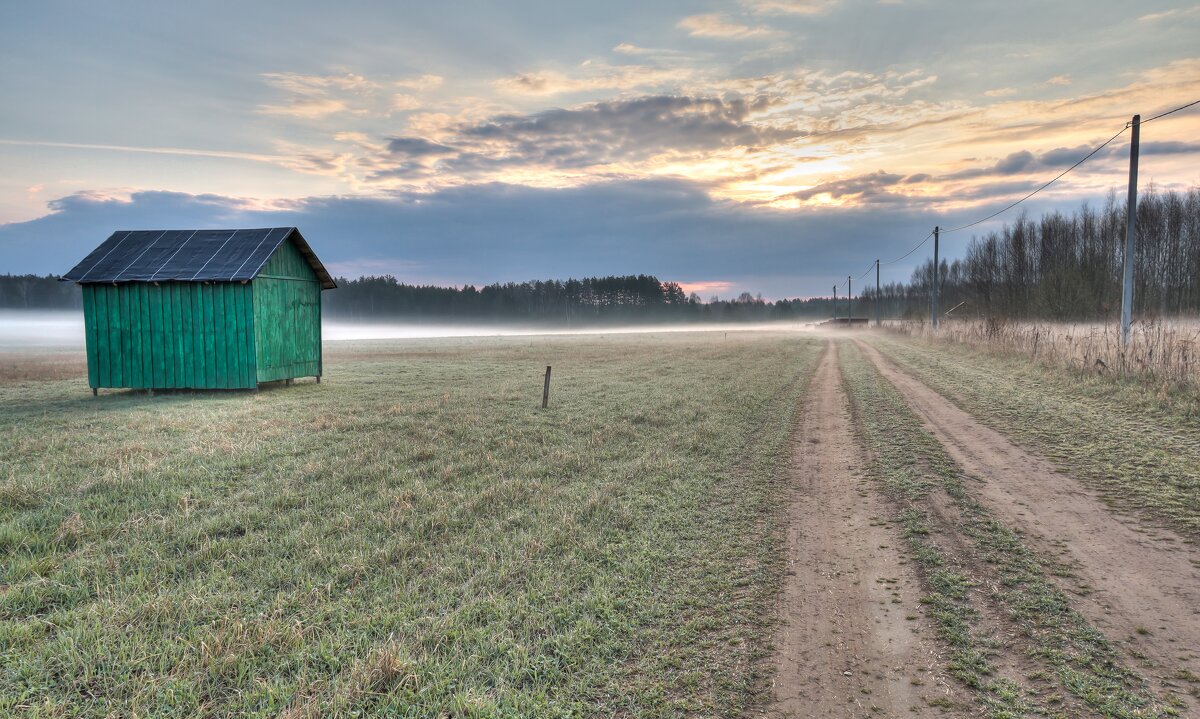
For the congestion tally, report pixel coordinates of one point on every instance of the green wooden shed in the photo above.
(202, 309)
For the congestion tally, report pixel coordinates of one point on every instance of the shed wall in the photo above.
(170, 335)
(287, 317)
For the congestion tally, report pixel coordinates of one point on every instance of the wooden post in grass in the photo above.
(835, 304)
(546, 389)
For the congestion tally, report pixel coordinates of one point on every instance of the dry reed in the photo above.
(1159, 350)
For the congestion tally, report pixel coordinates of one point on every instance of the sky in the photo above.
(772, 146)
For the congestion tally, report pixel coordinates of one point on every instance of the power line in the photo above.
(1169, 112)
(1057, 177)
(906, 254)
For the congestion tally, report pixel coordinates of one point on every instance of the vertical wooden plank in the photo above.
(155, 330)
(99, 312)
(164, 295)
(219, 337)
(260, 338)
(231, 340)
(124, 350)
(162, 352)
(164, 309)
(245, 342)
(145, 341)
(320, 334)
(134, 317)
(251, 340)
(210, 368)
(185, 334)
(89, 333)
(240, 322)
(177, 333)
(207, 335)
(114, 338)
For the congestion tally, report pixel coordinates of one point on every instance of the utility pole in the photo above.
(1130, 235)
(849, 302)
(878, 322)
(934, 312)
(835, 304)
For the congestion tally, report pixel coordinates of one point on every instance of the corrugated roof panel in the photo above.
(189, 256)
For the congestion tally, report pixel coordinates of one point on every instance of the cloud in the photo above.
(720, 27)
(417, 147)
(1169, 14)
(591, 135)
(869, 188)
(1001, 92)
(313, 97)
(419, 83)
(494, 232)
(790, 7)
(626, 48)
(1059, 80)
(593, 76)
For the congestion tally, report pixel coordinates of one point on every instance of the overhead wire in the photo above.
(906, 254)
(1057, 177)
(1170, 112)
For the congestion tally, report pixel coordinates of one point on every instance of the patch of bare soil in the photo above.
(852, 642)
(1140, 585)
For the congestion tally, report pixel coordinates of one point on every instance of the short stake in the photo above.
(546, 389)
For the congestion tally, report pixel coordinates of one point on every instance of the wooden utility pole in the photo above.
(878, 322)
(934, 296)
(849, 302)
(835, 304)
(1130, 235)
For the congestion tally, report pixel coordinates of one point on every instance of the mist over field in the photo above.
(63, 329)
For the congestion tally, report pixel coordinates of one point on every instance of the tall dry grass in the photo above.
(1159, 350)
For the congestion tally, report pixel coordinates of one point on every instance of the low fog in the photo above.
(40, 329)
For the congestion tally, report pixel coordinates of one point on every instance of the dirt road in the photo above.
(1139, 585)
(852, 642)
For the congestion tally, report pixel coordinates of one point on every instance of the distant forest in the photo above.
(1066, 266)
(592, 300)
(1059, 267)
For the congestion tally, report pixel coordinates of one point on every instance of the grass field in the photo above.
(414, 536)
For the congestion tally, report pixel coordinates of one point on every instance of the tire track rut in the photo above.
(1139, 585)
(852, 642)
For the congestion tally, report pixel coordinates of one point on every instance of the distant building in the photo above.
(202, 309)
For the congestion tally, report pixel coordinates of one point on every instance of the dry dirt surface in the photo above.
(852, 641)
(1138, 584)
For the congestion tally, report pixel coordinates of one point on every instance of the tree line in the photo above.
(1066, 266)
(591, 300)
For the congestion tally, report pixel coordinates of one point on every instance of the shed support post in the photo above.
(318, 379)
(95, 392)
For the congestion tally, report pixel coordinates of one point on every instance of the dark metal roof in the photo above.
(190, 256)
